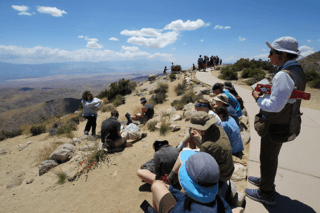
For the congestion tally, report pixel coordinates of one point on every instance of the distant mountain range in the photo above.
(311, 62)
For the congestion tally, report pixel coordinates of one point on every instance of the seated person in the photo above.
(232, 129)
(222, 100)
(163, 160)
(110, 132)
(147, 113)
(230, 88)
(210, 138)
(204, 105)
(198, 174)
(218, 89)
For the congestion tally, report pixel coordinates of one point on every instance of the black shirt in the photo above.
(110, 129)
(164, 160)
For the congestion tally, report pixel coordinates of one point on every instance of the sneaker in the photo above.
(86, 132)
(256, 181)
(143, 135)
(254, 195)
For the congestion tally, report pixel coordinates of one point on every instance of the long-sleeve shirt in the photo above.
(90, 108)
(282, 87)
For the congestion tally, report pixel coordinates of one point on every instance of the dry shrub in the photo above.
(164, 124)
(152, 125)
(61, 175)
(45, 152)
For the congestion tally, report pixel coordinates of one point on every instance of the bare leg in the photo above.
(146, 175)
(159, 189)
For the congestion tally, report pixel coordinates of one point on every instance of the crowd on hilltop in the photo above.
(209, 62)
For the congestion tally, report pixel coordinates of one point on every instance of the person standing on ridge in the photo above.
(200, 61)
(282, 114)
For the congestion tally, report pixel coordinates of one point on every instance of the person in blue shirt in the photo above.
(218, 89)
(222, 100)
(199, 178)
(232, 129)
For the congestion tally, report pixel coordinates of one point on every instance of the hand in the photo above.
(256, 94)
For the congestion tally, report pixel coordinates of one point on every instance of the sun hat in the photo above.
(285, 44)
(199, 175)
(223, 98)
(201, 121)
(228, 85)
(217, 86)
(159, 143)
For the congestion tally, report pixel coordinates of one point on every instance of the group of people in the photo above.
(203, 171)
(206, 61)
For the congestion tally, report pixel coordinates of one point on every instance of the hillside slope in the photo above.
(311, 62)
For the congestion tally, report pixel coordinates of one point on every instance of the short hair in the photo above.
(289, 56)
(115, 113)
(223, 111)
(85, 94)
(143, 99)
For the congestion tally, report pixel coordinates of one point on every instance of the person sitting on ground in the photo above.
(162, 163)
(222, 100)
(147, 112)
(111, 136)
(232, 129)
(212, 139)
(218, 89)
(230, 88)
(198, 174)
(204, 105)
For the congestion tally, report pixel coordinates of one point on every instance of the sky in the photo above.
(57, 31)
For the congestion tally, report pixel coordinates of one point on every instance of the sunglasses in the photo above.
(273, 52)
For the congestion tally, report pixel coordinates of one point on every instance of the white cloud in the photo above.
(201, 40)
(21, 8)
(38, 55)
(188, 25)
(219, 27)
(242, 39)
(92, 42)
(174, 48)
(309, 40)
(207, 24)
(149, 32)
(51, 10)
(262, 56)
(24, 13)
(263, 50)
(80, 36)
(160, 41)
(113, 39)
(131, 49)
(305, 51)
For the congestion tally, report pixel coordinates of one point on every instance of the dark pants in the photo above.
(269, 152)
(92, 122)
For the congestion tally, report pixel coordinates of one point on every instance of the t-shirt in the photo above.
(110, 128)
(195, 206)
(234, 103)
(200, 60)
(218, 123)
(150, 111)
(233, 131)
(233, 114)
(164, 160)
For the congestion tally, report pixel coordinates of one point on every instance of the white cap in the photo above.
(285, 44)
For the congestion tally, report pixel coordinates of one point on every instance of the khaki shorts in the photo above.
(167, 203)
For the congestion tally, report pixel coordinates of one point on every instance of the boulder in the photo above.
(46, 165)
(175, 118)
(174, 127)
(239, 173)
(140, 94)
(81, 155)
(16, 180)
(88, 147)
(29, 142)
(188, 106)
(22, 148)
(64, 140)
(204, 90)
(76, 141)
(63, 153)
(170, 110)
(71, 171)
(245, 136)
(244, 119)
(152, 77)
(188, 114)
(143, 89)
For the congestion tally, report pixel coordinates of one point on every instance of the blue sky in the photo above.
(46, 31)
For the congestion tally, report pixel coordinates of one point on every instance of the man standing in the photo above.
(200, 61)
(282, 113)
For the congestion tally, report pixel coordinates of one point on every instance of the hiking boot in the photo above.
(256, 181)
(143, 135)
(129, 118)
(254, 195)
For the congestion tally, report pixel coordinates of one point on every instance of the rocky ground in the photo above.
(111, 186)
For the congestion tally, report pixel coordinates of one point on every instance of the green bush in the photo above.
(37, 130)
(118, 100)
(164, 128)
(163, 86)
(255, 79)
(228, 74)
(159, 98)
(311, 75)
(172, 77)
(250, 73)
(176, 68)
(9, 134)
(75, 120)
(122, 87)
(185, 99)
(253, 64)
(315, 83)
(152, 126)
(2, 137)
(180, 88)
(108, 108)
